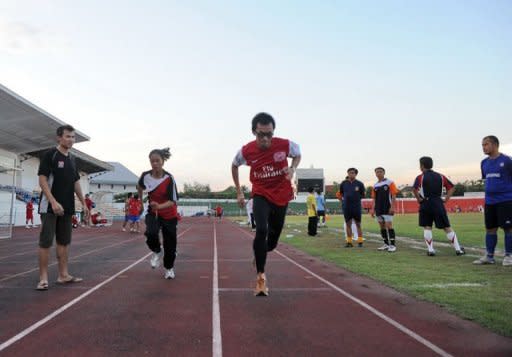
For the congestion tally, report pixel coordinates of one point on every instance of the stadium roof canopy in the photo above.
(24, 127)
(119, 175)
(84, 162)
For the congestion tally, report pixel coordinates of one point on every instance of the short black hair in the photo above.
(493, 139)
(319, 191)
(129, 194)
(164, 153)
(353, 169)
(427, 162)
(311, 189)
(380, 168)
(263, 119)
(136, 196)
(60, 129)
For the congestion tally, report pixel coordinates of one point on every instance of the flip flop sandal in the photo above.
(69, 280)
(42, 285)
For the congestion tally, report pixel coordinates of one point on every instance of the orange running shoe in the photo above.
(261, 285)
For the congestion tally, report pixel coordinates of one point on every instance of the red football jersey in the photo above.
(267, 169)
(134, 207)
(161, 190)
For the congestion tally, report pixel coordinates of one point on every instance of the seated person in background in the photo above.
(98, 220)
(74, 221)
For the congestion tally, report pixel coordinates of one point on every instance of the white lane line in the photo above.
(217, 337)
(36, 247)
(274, 289)
(368, 307)
(71, 259)
(451, 285)
(57, 312)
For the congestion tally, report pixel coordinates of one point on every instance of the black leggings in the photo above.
(269, 224)
(168, 226)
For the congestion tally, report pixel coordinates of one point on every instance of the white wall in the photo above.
(116, 189)
(84, 183)
(28, 179)
(7, 159)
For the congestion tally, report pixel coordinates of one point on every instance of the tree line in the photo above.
(199, 190)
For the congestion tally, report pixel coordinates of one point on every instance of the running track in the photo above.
(123, 307)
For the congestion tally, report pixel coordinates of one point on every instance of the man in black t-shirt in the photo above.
(428, 190)
(59, 181)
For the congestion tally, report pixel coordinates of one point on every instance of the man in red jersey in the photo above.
(271, 177)
(29, 213)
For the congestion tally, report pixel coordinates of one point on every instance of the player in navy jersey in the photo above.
(350, 193)
(497, 173)
(383, 208)
(428, 189)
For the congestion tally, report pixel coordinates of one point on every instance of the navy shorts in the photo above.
(498, 215)
(433, 211)
(352, 213)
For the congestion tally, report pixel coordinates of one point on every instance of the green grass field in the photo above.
(479, 293)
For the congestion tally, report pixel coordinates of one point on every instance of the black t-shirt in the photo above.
(430, 184)
(62, 174)
(352, 192)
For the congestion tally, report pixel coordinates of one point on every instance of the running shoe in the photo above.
(391, 249)
(484, 260)
(155, 260)
(261, 285)
(507, 260)
(169, 273)
(383, 248)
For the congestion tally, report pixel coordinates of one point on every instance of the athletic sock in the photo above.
(384, 234)
(491, 239)
(508, 243)
(392, 236)
(349, 240)
(453, 238)
(360, 239)
(427, 235)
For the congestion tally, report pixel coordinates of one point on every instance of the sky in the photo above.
(354, 83)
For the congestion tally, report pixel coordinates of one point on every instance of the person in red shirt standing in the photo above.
(90, 205)
(271, 179)
(134, 211)
(126, 210)
(162, 211)
(29, 214)
(219, 211)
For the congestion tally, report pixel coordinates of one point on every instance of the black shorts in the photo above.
(352, 213)
(498, 215)
(433, 211)
(55, 226)
(320, 213)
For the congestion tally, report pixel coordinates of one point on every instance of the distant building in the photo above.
(27, 133)
(118, 180)
(305, 178)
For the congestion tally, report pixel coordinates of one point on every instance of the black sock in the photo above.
(384, 234)
(392, 236)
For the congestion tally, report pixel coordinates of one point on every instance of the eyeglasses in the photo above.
(261, 134)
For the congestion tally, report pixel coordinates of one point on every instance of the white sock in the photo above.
(453, 238)
(427, 235)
